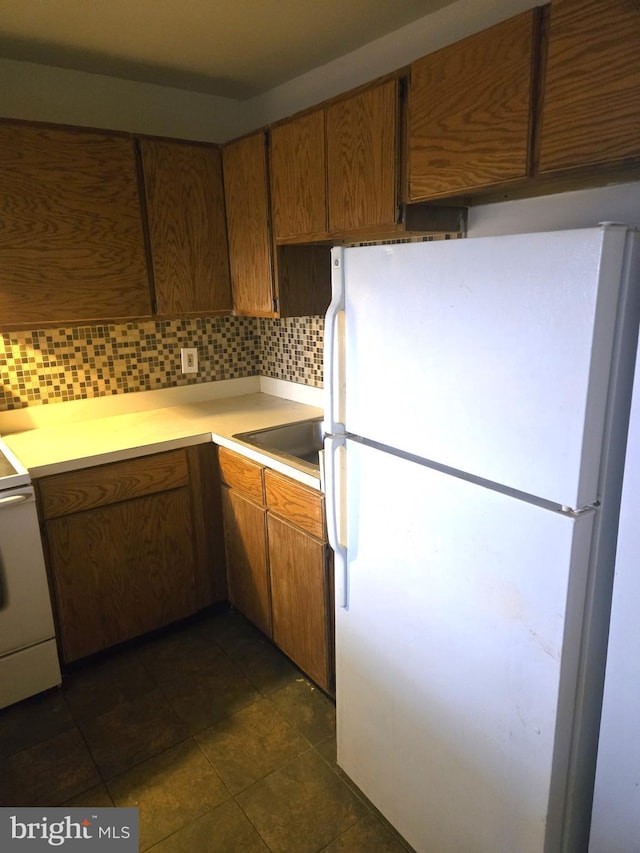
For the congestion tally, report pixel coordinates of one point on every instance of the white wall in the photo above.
(381, 56)
(578, 209)
(43, 93)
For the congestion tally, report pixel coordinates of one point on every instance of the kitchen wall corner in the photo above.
(291, 349)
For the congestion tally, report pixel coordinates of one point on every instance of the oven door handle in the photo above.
(11, 500)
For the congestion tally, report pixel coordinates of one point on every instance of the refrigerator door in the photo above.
(490, 355)
(452, 716)
(615, 826)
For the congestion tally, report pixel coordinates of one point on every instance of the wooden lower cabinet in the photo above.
(245, 539)
(300, 598)
(122, 570)
(279, 562)
(125, 556)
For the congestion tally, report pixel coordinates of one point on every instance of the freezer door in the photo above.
(488, 355)
(463, 614)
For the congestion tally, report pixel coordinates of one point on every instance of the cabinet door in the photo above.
(187, 227)
(246, 546)
(362, 158)
(246, 193)
(71, 237)
(299, 598)
(208, 530)
(591, 108)
(298, 177)
(470, 111)
(121, 570)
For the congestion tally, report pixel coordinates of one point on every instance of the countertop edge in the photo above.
(134, 435)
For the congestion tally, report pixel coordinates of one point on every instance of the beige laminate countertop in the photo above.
(81, 444)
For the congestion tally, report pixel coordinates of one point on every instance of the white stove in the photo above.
(28, 654)
(12, 471)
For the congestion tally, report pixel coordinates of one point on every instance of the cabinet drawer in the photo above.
(299, 505)
(242, 474)
(63, 494)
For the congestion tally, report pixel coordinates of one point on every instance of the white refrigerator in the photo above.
(476, 413)
(615, 826)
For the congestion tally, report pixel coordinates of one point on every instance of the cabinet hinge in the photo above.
(275, 304)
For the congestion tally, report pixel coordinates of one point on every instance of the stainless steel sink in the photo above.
(301, 441)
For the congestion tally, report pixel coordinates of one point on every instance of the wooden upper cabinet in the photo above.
(591, 107)
(71, 234)
(362, 158)
(470, 107)
(298, 177)
(246, 192)
(187, 227)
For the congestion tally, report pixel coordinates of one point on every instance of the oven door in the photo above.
(25, 605)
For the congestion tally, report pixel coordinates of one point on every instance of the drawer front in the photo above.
(242, 474)
(101, 485)
(296, 503)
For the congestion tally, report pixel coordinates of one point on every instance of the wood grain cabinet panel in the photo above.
(591, 107)
(132, 546)
(89, 488)
(297, 503)
(362, 158)
(267, 280)
(208, 529)
(242, 474)
(121, 570)
(246, 192)
(71, 234)
(469, 114)
(245, 536)
(298, 176)
(187, 227)
(300, 598)
(278, 561)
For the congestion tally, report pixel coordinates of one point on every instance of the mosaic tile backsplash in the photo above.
(53, 365)
(292, 349)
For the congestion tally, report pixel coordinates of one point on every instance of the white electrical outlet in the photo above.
(189, 359)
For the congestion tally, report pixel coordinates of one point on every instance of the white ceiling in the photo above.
(230, 48)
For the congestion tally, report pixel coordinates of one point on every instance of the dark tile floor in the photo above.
(215, 736)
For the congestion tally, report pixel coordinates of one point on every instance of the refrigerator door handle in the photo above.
(333, 348)
(334, 453)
